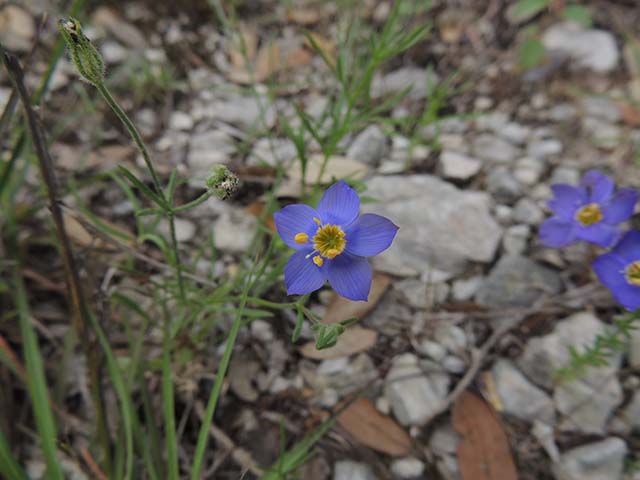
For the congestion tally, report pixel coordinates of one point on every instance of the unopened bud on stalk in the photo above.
(222, 182)
(84, 55)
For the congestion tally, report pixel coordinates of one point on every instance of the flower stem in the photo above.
(203, 435)
(133, 131)
(176, 253)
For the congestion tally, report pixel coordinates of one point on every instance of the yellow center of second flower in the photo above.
(329, 241)
(632, 273)
(589, 214)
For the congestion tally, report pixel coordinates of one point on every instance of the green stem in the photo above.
(168, 403)
(201, 199)
(203, 435)
(104, 91)
(176, 254)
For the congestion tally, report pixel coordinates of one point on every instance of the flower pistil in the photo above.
(632, 273)
(589, 214)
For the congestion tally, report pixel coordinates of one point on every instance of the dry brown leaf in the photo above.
(247, 40)
(630, 113)
(256, 209)
(341, 309)
(484, 452)
(267, 61)
(303, 15)
(84, 238)
(297, 58)
(353, 340)
(366, 424)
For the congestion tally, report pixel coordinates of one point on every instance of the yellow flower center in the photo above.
(632, 273)
(329, 241)
(589, 214)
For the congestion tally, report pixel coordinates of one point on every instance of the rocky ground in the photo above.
(466, 287)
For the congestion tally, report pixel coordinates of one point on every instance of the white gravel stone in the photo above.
(180, 121)
(455, 226)
(528, 170)
(370, 146)
(465, 288)
(520, 397)
(407, 468)
(350, 470)
(458, 165)
(494, 149)
(234, 230)
(414, 396)
(602, 460)
(516, 239)
(544, 148)
(588, 48)
(528, 212)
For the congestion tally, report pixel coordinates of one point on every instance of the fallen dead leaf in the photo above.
(630, 113)
(353, 340)
(244, 47)
(368, 426)
(303, 15)
(327, 46)
(82, 237)
(256, 209)
(267, 61)
(341, 309)
(484, 452)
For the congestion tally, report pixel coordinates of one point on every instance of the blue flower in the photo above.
(332, 242)
(619, 270)
(589, 212)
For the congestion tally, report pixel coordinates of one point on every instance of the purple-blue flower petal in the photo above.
(301, 275)
(369, 235)
(610, 270)
(339, 205)
(556, 232)
(628, 248)
(294, 219)
(566, 200)
(601, 186)
(350, 276)
(600, 233)
(620, 207)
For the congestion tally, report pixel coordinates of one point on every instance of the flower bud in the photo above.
(84, 55)
(222, 182)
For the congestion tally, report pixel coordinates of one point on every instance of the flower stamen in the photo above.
(632, 273)
(301, 237)
(329, 241)
(589, 214)
(318, 260)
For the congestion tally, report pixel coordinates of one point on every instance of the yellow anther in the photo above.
(301, 237)
(329, 241)
(632, 273)
(317, 220)
(589, 214)
(318, 260)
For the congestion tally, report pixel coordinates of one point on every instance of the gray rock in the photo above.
(602, 108)
(244, 112)
(350, 470)
(273, 152)
(112, 52)
(344, 375)
(519, 397)
(504, 214)
(515, 133)
(458, 166)
(414, 396)
(409, 77)
(630, 415)
(494, 149)
(602, 460)
(587, 407)
(453, 364)
(407, 468)
(17, 28)
(517, 282)
(494, 121)
(528, 170)
(516, 239)
(527, 211)
(544, 148)
(544, 434)
(454, 142)
(588, 48)
(370, 146)
(208, 148)
(602, 133)
(544, 355)
(440, 225)
(234, 230)
(451, 337)
(421, 294)
(502, 184)
(562, 112)
(431, 349)
(465, 288)
(568, 175)
(180, 121)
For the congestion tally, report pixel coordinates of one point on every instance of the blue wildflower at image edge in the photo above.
(332, 243)
(588, 212)
(619, 270)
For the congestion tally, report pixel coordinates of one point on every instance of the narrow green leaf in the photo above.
(529, 8)
(9, 466)
(530, 53)
(578, 13)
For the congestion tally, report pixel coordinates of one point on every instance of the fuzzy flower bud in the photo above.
(222, 182)
(84, 55)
